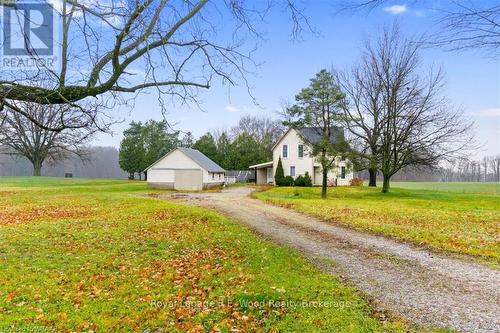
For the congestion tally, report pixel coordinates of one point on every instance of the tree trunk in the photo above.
(323, 183)
(37, 168)
(386, 185)
(373, 177)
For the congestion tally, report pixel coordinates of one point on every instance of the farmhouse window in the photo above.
(301, 150)
(342, 172)
(285, 151)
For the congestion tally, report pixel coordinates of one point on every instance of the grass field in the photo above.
(461, 187)
(107, 256)
(461, 218)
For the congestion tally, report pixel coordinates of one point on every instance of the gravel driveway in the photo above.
(428, 289)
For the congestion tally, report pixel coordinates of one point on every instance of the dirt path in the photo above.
(427, 289)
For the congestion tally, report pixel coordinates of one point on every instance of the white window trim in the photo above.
(294, 171)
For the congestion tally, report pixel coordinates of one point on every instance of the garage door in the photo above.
(188, 180)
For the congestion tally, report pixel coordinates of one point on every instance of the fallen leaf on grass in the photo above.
(41, 213)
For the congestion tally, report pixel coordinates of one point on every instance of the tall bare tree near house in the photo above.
(266, 131)
(418, 127)
(364, 112)
(21, 136)
(318, 108)
(461, 24)
(116, 49)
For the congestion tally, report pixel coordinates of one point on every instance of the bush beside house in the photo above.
(304, 181)
(281, 180)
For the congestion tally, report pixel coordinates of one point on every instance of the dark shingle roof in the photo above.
(312, 134)
(201, 159)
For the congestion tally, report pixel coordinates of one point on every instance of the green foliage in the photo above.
(279, 176)
(206, 144)
(131, 153)
(157, 141)
(224, 152)
(303, 181)
(143, 144)
(245, 151)
(130, 156)
(319, 106)
(288, 181)
(187, 140)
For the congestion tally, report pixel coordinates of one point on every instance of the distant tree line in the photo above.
(102, 162)
(464, 169)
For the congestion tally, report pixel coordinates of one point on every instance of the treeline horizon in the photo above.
(104, 164)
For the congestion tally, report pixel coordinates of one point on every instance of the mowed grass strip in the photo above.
(465, 222)
(133, 262)
(460, 187)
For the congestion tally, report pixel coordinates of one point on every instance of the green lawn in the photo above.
(461, 218)
(463, 187)
(104, 256)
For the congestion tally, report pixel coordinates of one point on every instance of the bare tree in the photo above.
(364, 113)
(416, 125)
(266, 131)
(21, 136)
(109, 48)
(462, 24)
(495, 167)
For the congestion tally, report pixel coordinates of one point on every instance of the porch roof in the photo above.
(261, 165)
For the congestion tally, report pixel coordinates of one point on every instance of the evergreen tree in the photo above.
(157, 141)
(131, 154)
(206, 144)
(279, 176)
(224, 152)
(187, 140)
(319, 106)
(144, 144)
(245, 152)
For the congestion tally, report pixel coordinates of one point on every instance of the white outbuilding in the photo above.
(185, 169)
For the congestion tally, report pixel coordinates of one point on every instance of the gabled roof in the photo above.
(197, 156)
(312, 134)
(201, 159)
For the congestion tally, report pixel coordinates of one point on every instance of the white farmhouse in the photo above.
(185, 169)
(296, 160)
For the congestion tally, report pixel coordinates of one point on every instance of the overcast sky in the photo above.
(472, 77)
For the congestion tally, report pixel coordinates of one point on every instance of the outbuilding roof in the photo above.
(197, 156)
(201, 159)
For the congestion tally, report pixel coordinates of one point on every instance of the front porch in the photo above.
(263, 173)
